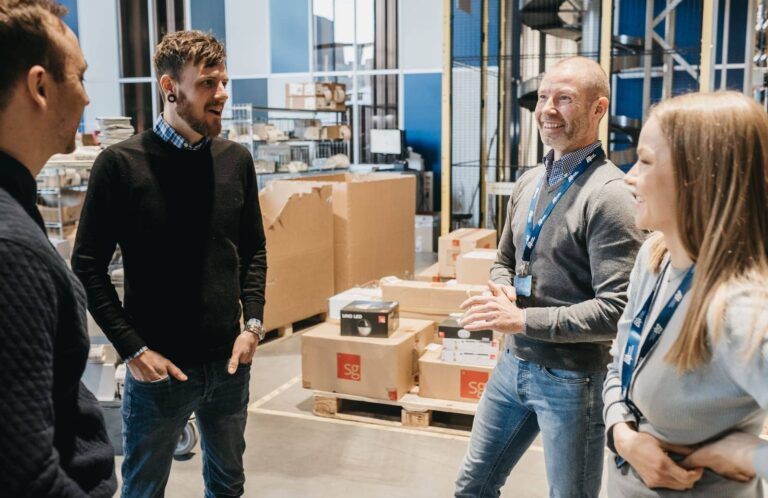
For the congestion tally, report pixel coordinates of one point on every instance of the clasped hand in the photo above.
(497, 311)
(730, 457)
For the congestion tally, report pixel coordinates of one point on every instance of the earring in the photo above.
(171, 97)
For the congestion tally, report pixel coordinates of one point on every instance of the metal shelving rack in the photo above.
(245, 117)
(58, 168)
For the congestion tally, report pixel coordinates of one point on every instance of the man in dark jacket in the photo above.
(183, 205)
(52, 437)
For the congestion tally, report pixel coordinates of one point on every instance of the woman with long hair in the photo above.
(687, 392)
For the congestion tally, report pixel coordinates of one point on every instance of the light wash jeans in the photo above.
(155, 413)
(521, 399)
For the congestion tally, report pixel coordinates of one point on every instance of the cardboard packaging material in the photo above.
(461, 241)
(431, 298)
(483, 359)
(430, 274)
(372, 222)
(316, 96)
(336, 132)
(451, 381)
(335, 303)
(381, 368)
(450, 329)
(369, 318)
(298, 225)
(474, 267)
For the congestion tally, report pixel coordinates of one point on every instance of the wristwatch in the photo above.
(255, 327)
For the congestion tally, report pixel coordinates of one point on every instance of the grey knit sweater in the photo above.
(580, 267)
(729, 393)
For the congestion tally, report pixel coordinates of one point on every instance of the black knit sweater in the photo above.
(190, 230)
(52, 436)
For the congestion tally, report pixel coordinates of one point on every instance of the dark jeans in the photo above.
(155, 413)
(521, 400)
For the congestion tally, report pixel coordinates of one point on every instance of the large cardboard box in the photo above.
(381, 368)
(474, 267)
(450, 245)
(373, 217)
(298, 224)
(429, 274)
(451, 381)
(432, 298)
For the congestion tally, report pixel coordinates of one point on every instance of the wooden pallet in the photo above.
(294, 327)
(411, 411)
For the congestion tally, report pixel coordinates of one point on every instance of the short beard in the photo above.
(185, 112)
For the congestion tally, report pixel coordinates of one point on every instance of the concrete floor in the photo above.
(292, 453)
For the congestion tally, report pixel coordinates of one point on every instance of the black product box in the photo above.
(370, 318)
(450, 329)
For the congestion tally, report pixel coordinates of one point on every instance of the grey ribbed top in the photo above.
(729, 393)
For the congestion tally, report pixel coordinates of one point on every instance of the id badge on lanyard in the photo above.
(523, 279)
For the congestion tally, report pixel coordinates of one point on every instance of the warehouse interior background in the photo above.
(455, 83)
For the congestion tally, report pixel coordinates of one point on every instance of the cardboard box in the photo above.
(369, 318)
(430, 274)
(336, 132)
(298, 225)
(372, 222)
(474, 267)
(69, 214)
(482, 358)
(461, 241)
(451, 381)
(432, 298)
(335, 303)
(382, 368)
(450, 329)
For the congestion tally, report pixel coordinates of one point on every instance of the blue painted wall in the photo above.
(422, 120)
(467, 34)
(207, 15)
(71, 18)
(289, 35)
(250, 91)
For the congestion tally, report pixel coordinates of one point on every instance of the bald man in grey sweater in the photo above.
(558, 289)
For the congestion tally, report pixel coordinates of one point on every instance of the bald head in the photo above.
(593, 80)
(573, 98)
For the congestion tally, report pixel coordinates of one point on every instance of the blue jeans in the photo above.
(521, 399)
(155, 413)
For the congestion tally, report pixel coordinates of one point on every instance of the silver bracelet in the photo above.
(136, 354)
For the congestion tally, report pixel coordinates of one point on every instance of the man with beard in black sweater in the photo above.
(52, 437)
(183, 206)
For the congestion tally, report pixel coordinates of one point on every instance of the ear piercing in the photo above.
(171, 97)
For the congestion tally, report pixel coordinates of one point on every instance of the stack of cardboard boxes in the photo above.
(363, 348)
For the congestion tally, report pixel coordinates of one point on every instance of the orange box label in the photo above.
(473, 383)
(348, 367)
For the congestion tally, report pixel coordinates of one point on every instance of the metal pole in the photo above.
(648, 57)
(749, 46)
(726, 36)
(669, 61)
(590, 29)
(502, 119)
(445, 159)
(708, 33)
(605, 61)
(483, 111)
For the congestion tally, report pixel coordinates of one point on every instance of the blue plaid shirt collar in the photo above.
(168, 134)
(557, 170)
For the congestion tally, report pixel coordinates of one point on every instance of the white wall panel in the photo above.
(421, 33)
(248, 45)
(97, 20)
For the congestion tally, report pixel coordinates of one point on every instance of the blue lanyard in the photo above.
(633, 354)
(532, 232)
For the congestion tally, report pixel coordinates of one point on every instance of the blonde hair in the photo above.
(719, 149)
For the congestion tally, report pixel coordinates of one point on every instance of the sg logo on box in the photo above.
(473, 383)
(348, 367)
